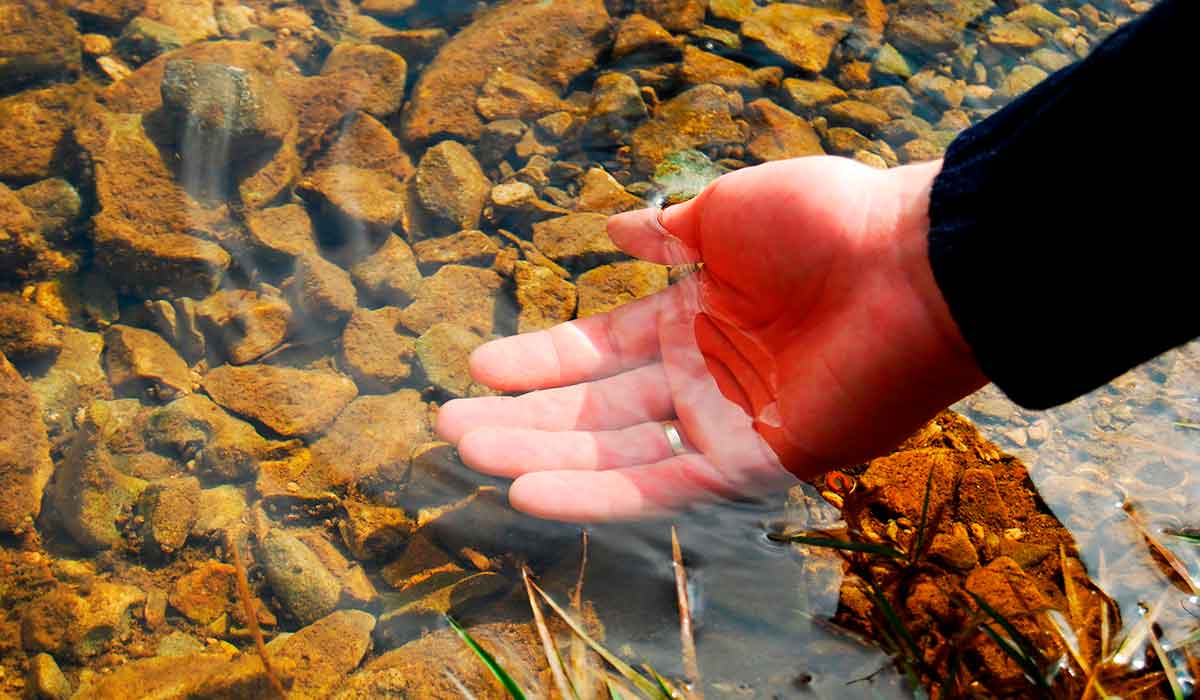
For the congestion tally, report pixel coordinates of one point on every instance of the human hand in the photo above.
(813, 337)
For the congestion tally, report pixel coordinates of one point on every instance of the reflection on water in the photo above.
(245, 249)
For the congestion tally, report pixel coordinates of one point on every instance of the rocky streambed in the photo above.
(246, 249)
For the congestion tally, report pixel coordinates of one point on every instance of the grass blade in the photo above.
(664, 686)
(1137, 636)
(898, 629)
(637, 679)
(920, 539)
(691, 665)
(1168, 667)
(1190, 536)
(1060, 624)
(833, 543)
(565, 689)
(1026, 647)
(580, 676)
(1027, 665)
(514, 691)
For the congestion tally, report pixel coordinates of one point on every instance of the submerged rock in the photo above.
(34, 126)
(194, 427)
(144, 39)
(150, 264)
(24, 251)
(25, 466)
(455, 294)
(280, 234)
(297, 577)
(777, 134)
(64, 623)
(89, 492)
(362, 204)
(606, 287)
(544, 298)
(281, 397)
(404, 672)
(324, 652)
(204, 593)
(363, 142)
(375, 351)
(220, 106)
(372, 532)
(444, 350)
(550, 43)
(576, 239)
(76, 378)
(451, 186)
(616, 107)
(244, 324)
(26, 333)
(802, 36)
(141, 362)
(699, 118)
(321, 291)
(38, 40)
(928, 26)
(389, 276)
(169, 508)
(373, 438)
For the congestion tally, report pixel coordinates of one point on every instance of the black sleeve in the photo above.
(1062, 228)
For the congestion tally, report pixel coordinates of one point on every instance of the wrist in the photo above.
(913, 187)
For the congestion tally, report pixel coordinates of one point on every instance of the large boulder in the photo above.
(222, 106)
(700, 118)
(38, 40)
(33, 128)
(25, 465)
(550, 43)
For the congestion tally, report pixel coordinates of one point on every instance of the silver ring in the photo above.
(674, 439)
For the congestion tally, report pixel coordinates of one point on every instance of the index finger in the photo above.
(578, 351)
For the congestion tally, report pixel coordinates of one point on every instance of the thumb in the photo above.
(668, 236)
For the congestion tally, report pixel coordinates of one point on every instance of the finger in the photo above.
(513, 452)
(642, 234)
(577, 351)
(644, 491)
(638, 396)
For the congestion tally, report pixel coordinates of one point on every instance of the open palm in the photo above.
(813, 336)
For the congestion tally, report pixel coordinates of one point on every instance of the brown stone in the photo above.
(616, 107)
(802, 36)
(204, 593)
(457, 294)
(444, 351)
(33, 129)
(322, 291)
(373, 439)
(600, 193)
(979, 499)
(195, 20)
(157, 264)
(139, 360)
(777, 134)
(26, 333)
(79, 625)
(638, 35)
(38, 40)
(701, 67)
(372, 532)
(363, 142)
(544, 298)
(606, 287)
(25, 465)
(464, 248)
(451, 186)
(805, 95)
(225, 448)
(375, 352)
(507, 95)
(549, 43)
(170, 508)
(898, 480)
(281, 397)
(358, 200)
(866, 118)
(699, 118)
(389, 276)
(576, 239)
(928, 26)
(246, 325)
(24, 251)
(675, 15)
(280, 234)
(142, 93)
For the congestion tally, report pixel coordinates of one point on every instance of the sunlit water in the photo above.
(762, 614)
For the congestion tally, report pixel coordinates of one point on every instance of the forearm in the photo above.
(1058, 237)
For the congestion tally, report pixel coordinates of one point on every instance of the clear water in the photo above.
(762, 613)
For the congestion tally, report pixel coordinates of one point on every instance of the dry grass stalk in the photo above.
(243, 590)
(691, 666)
